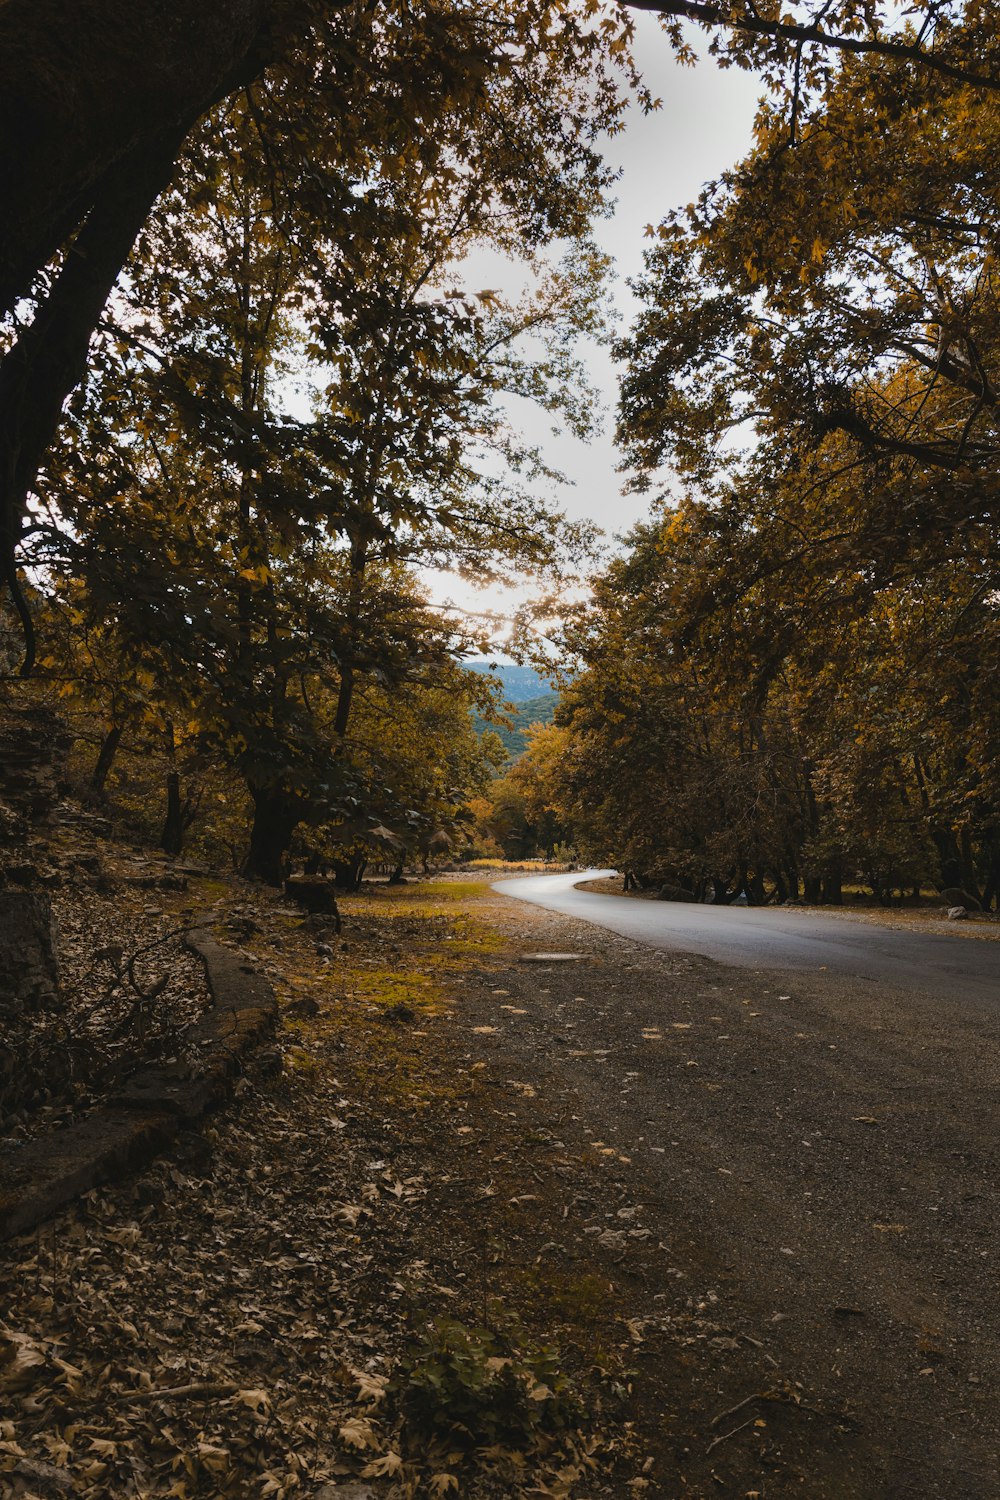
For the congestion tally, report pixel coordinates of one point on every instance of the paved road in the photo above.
(780, 938)
(817, 1156)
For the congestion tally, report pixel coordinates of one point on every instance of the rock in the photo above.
(89, 861)
(29, 973)
(399, 1014)
(953, 895)
(345, 1492)
(957, 914)
(321, 927)
(302, 1008)
(25, 873)
(89, 823)
(243, 927)
(14, 828)
(268, 1062)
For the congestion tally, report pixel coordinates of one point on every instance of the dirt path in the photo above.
(715, 1235)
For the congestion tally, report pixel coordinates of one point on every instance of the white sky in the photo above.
(703, 126)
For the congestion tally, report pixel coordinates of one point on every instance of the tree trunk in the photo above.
(172, 837)
(96, 99)
(970, 877)
(49, 358)
(276, 815)
(105, 760)
(348, 873)
(83, 85)
(833, 884)
(949, 858)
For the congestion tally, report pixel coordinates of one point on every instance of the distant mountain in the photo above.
(520, 684)
(532, 695)
(540, 710)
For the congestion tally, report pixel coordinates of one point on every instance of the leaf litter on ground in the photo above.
(229, 1322)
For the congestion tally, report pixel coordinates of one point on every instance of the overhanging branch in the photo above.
(800, 34)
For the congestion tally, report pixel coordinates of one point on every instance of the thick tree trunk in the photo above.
(105, 760)
(96, 99)
(172, 837)
(276, 815)
(85, 84)
(49, 357)
(349, 873)
(833, 884)
(949, 857)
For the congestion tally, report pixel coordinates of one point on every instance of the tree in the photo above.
(755, 710)
(837, 281)
(103, 141)
(262, 554)
(817, 360)
(953, 41)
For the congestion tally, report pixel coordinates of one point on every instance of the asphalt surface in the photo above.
(816, 1157)
(779, 938)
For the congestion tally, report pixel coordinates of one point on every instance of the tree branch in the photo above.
(799, 34)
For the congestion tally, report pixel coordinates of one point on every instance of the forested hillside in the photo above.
(529, 699)
(513, 734)
(519, 684)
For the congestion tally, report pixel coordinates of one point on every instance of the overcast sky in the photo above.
(704, 125)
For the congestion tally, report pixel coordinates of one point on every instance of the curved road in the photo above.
(779, 938)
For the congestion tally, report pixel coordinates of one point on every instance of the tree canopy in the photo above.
(789, 681)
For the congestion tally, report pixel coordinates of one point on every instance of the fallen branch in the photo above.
(727, 1435)
(747, 1401)
(196, 1388)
